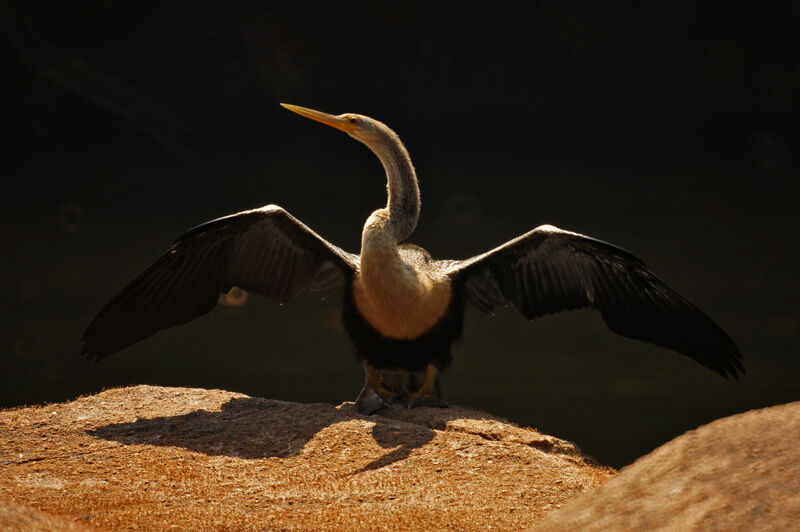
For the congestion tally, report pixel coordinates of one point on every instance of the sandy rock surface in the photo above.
(16, 517)
(159, 458)
(737, 473)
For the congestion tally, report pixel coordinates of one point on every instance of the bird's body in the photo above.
(397, 290)
(405, 314)
(403, 310)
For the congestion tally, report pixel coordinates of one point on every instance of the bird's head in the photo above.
(360, 127)
(402, 185)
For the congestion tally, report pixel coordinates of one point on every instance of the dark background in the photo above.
(671, 130)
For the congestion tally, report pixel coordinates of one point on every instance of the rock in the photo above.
(174, 458)
(737, 473)
(20, 517)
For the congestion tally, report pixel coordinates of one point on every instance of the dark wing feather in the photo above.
(266, 251)
(549, 270)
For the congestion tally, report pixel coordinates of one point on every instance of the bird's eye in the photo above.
(353, 120)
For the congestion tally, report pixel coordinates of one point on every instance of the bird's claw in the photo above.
(370, 400)
(428, 399)
(429, 394)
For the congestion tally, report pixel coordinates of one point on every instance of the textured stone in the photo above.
(159, 458)
(737, 473)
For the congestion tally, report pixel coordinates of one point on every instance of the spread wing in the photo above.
(549, 270)
(265, 251)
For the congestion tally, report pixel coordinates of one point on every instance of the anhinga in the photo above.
(402, 309)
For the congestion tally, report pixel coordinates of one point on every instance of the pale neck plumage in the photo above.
(403, 204)
(395, 297)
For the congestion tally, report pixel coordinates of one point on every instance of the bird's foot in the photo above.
(429, 394)
(369, 401)
(428, 399)
(375, 395)
(372, 399)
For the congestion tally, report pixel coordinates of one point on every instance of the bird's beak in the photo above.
(330, 120)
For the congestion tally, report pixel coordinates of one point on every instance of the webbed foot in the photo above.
(370, 401)
(374, 395)
(428, 400)
(429, 394)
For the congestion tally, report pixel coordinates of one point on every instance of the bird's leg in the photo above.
(430, 393)
(398, 383)
(374, 395)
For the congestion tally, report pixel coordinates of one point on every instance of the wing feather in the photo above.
(549, 270)
(265, 251)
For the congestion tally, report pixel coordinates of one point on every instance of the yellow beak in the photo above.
(330, 120)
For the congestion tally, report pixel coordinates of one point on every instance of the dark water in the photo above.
(672, 132)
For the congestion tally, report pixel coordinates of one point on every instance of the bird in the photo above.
(402, 309)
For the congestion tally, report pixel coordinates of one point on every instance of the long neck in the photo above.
(403, 203)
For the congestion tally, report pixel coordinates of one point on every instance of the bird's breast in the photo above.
(397, 299)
